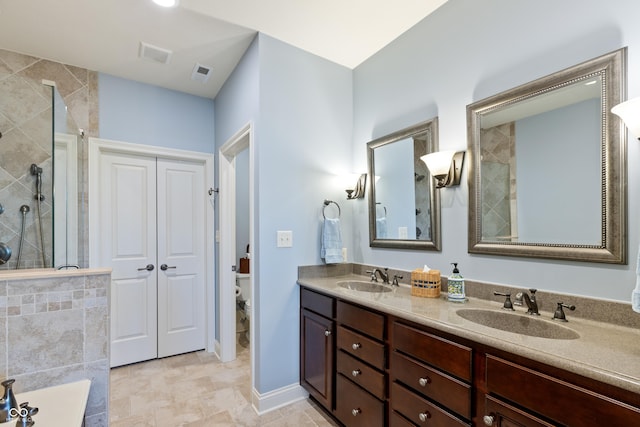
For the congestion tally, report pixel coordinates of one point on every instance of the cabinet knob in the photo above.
(356, 372)
(424, 381)
(355, 412)
(424, 416)
(356, 345)
(488, 420)
(327, 332)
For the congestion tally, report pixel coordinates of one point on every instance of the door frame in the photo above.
(98, 146)
(242, 139)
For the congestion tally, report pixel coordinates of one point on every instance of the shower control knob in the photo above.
(149, 267)
(165, 267)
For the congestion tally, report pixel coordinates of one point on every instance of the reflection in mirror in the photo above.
(404, 208)
(547, 176)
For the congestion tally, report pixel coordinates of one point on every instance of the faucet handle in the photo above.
(559, 313)
(508, 305)
(395, 280)
(374, 278)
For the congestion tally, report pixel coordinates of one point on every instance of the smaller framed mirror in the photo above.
(547, 175)
(404, 206)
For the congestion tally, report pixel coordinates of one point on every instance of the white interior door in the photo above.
(181, 247)
(128, 244)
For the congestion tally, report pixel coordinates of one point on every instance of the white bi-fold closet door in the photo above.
(152, 234)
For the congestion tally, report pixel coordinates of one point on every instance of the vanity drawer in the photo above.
(446, 390)
(317, 303)
(362, 374)
(435, 351)
(361, 347)
(361, 319)
(397, 420)
(414, 407)
(558, 400)
(356, 407)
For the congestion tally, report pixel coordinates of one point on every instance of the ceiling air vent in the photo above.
(201, 73)
(154, 53)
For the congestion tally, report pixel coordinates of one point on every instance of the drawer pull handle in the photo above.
(356, 345)
(424, 381)
(356, 372)
(327, 332)
(488, 420)
(424, 416)
(355, 412)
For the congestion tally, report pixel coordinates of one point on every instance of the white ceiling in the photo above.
(104, 35)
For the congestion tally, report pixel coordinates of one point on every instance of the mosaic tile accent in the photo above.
(56, 330)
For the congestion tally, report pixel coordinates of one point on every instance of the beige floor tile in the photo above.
(196, 389)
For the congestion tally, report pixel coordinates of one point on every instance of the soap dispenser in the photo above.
(455, 285)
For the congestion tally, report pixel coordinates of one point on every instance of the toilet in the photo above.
(243, 293)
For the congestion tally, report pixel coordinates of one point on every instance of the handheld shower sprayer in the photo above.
(37, 172)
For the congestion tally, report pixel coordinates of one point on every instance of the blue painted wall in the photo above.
(139, 113)
(466, 51)
(301, 109)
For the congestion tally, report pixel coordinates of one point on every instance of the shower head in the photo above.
(35, 170)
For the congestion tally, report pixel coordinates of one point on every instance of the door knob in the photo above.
(149, 267)
(488, 420)
(165, 267)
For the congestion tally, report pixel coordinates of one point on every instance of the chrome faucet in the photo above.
(8, 402)
(383, 275)
(531, 302)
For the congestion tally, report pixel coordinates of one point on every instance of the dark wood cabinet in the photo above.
(317, 350)
(371, 369)
(557, 400)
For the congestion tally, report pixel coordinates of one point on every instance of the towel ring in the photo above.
(327, 203)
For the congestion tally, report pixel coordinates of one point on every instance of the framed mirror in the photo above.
(404, 207)
(547, 173)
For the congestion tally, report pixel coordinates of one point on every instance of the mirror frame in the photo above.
(434, 244)
(612, 68)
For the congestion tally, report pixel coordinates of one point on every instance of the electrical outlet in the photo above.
(285, 239)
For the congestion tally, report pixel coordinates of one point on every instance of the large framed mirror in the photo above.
(547, 174)
(404, 207)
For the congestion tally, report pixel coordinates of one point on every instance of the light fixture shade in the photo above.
(167, 3)
(439, 163)
(629, 112)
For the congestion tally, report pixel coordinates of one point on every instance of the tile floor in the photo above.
(196, 389)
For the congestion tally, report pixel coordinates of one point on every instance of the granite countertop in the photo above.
(605, 352)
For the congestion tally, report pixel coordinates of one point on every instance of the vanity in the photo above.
(388, 358)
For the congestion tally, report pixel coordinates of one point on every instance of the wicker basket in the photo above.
(425, 283)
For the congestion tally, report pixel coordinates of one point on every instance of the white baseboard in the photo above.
(275, 399)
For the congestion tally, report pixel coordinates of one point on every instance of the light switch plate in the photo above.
(285, 239)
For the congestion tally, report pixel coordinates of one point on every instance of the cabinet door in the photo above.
(317, 357)
(501, 414)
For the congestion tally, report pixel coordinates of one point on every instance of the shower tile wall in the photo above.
(54, 329)
(26, 127)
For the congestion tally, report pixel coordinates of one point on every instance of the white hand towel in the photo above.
(331, 241)
(381, 228)
(635, 295)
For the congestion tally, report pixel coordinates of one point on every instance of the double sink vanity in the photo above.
(374, 355)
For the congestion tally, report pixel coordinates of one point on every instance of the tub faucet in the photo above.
(531, 302)
(8, 401)
(383, 275)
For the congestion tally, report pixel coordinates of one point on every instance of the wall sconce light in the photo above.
(629, 112)
(358, 191)
(445, 167)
